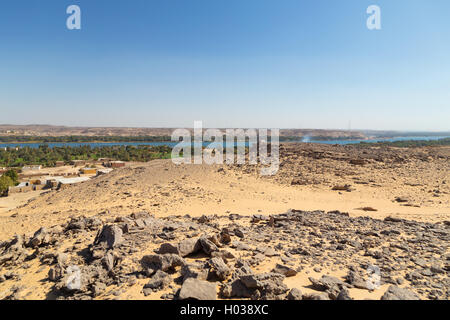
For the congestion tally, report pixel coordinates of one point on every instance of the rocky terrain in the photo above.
(374, 225)
(245, 257)
(309, 164)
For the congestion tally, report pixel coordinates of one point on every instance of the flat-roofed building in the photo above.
(88, 171)
(32, 168)
(117, 164)
(65, 182)
(59, 163)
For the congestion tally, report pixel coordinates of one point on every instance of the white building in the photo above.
(31, 168)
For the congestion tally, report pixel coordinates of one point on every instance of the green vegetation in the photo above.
(81, 139)
(13, 175)
(9, 179)
(47, 156)
(410, 143)
(5, 183)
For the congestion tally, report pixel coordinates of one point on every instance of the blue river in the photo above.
(172, 144)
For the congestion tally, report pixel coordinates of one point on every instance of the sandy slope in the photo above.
(163, 189)
(305, 181)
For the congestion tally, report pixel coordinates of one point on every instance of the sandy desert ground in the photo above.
(397, 201)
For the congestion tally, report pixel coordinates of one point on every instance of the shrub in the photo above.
(5, 183)
(13, 175)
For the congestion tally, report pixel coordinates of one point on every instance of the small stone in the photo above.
(344, 295)
(284, 270)
(108, 261)
(55, 273)
(207, 246)
(198, 290)
(158, 281)
(239, 233)
(168, 248)
(219, 269)
(163, 262)
(99, 288)
(196, 271)
(188, 246)
(111, 235)
(270, 252)
(294, 294)
(396, 293)
(40, 238)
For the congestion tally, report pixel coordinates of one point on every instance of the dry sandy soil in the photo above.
(410, 184)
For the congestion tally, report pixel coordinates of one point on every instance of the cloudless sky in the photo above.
(230, 63)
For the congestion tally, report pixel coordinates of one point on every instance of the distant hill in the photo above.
(54, 131)
(289, 134)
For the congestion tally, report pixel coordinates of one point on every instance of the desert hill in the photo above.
(309, 232)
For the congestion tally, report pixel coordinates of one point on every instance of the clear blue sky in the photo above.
(230, 63)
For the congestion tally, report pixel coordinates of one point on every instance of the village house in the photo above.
(103, 161)
(59, 163)
(115, 164)
(31, 168)
(61, 183)
(88, 171)
(25, 187)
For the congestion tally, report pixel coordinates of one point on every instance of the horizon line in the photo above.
(176, 127)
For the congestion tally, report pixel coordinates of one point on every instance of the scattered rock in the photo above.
(401, 199)
(197, 290)
(346, 187)
(163, 262)
(356, 280)
(111, 235)
(40, 238)
(315, 296)
(266, 286)
(294, 294)
(189, 246)
(207, 246)
(197, 271)
(396, 293)
(239, 233)
(168, 248)
(55, 273)
(219, 269)
(284, 270)
(343, 295)
(302, 240)
(158, 281)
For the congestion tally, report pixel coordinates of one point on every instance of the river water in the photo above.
(172, 144)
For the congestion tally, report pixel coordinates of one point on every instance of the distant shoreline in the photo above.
(29, 140)
(398, 141)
